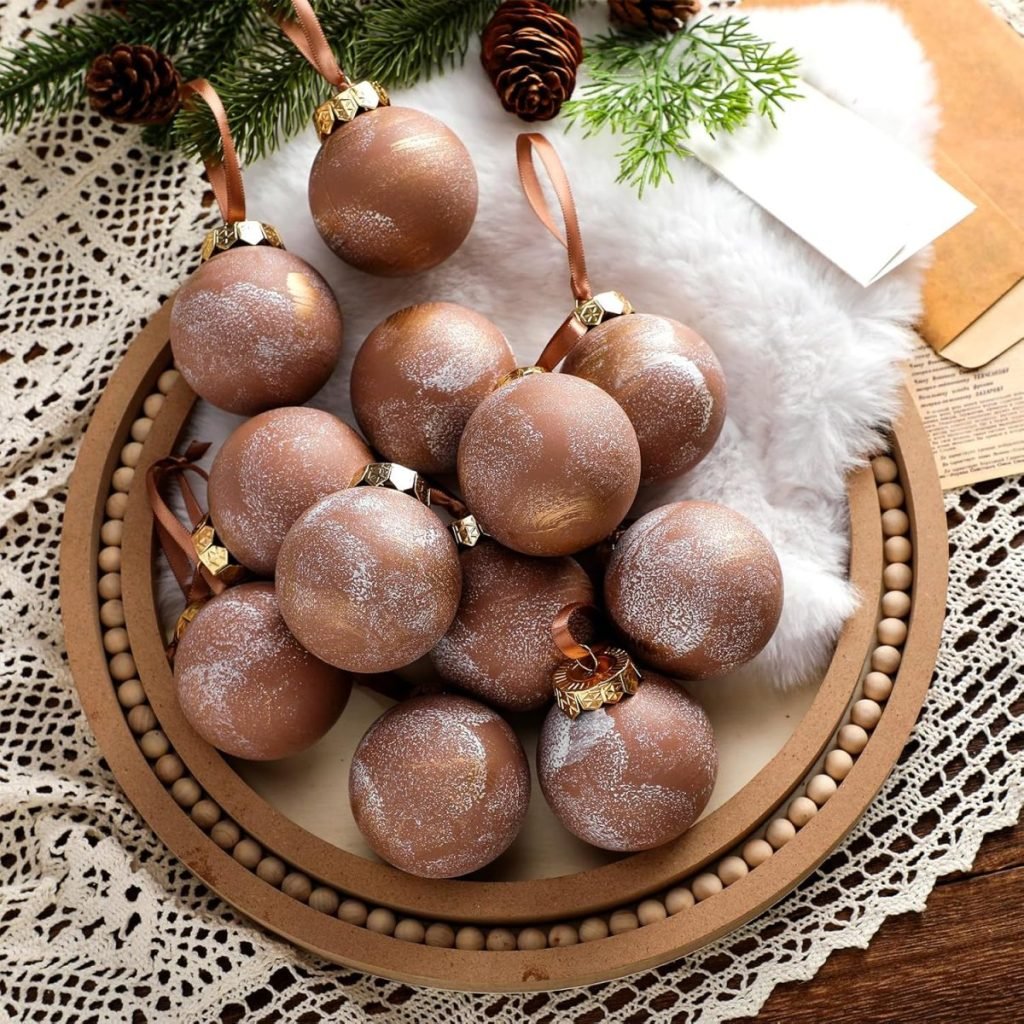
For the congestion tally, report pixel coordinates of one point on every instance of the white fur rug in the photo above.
(811, 358)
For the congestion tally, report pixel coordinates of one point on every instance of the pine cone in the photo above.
(662, 16)
(531, 53)
(133, 85)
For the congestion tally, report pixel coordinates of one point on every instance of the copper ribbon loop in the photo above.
(307, 36)
(224, 172)
(455, 508)
(562, 632)
(195, 580)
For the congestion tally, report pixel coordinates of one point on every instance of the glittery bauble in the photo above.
(255, 327)
(368, 579)
(393, 192)
(667, 380)
(419, 376)
(549, 464)
(245, 683)
(499, 647)
(633, 775)
(439, 785)
(696, 587)
(270, 470)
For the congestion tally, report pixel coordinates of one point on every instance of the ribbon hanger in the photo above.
(307, 35)
(224, 171)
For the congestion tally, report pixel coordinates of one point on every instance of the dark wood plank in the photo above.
(1000, 850)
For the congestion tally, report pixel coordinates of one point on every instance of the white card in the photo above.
(855, 194)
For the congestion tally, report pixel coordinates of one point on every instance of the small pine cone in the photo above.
(531, 53)
(133, 85)
(662, 16)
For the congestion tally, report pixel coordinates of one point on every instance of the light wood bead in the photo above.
(898, 549)
(622, 921)
(838, 764)
(884, 469)
(130, 693)
(166, 381)
(531, 939)
(779, 832)
(186, 791)
(895, 522)
(650, 912)
(353, 912)
(205, 814)
(895, 603)
(141, 719)
(248, 853)
(116, 640)
(297, 885)
(679, 899)
(271, 870)
(152, 405)
(705, 886)
(592, 929)
(470, 938)
(732, 869)
(563, 935)
(109, 586)
(153, 744)
(112, 613)
(410, 930)
(324, 900)
(822, 788)
(877, 686)
(440, 934)
(122, 480)
(885, 659)
(109, 559)
(112, 531)
(122, 666)
(866, 713)
(897, 576)
(141, 428)
(890, 495)
(852, 738)
(116, 505)
(169, 769)
(501, 940)
(381, 920)
(757, 851)
(131, 453)
(892, 632)
(801, 810)
(225, 834)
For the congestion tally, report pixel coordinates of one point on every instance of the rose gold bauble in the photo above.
(393, 192)
(499, 647)
(270, 470)
(439, 785)
(633, 775)
(549, 464)
(696, 587)
(667, 380)
(245, 683)
(368, 579)
(254, 328)
(418, 377)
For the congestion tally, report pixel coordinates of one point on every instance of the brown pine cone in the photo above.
(531, 53)
(133, 85)
(662, 16)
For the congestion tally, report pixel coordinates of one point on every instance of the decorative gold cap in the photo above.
(581, 687)
(467, 531)
(212, 553)
(353, 100)
(518, 374)
(394, 476)
(239, 232)
(186, 618)
(604, 306)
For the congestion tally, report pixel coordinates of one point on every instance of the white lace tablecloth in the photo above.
(98, 921)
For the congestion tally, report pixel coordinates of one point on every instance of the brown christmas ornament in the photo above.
(499, 647)
(392, 191)
(418, 377)
(270, 470)
(133, 85)
(696, 588)
(549, 464)
(665, 17)
(245, 683)
(531, 53)
(368, 579)
(439, 786)
(668, 382)
(631, 775)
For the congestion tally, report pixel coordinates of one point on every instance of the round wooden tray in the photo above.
(292, 881)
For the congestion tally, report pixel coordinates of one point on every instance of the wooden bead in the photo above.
(679, 899)
(563, 935)
(353, 912)
(592, 929)
(141, 428)
(381, 920)
(141, 719)
(732, 869)
(897, 576)
(122, 666)
(297, 885)
(531, 938)
(131, 453)
(410, 930)
(779, 832)
(169, 769)
(112, 531)
(130, 693)
(440, 934)
(622, 921)
(895, 522)
(884, 469)
(152, 405)
(166, 381)
(153, 744)
(109, 559)
(865, 713)
(650, 912)
(877, 686)
(271, 870)
(205, 814)
(112, 613)
(706, 885)
(852, 738)
(890, 495)
(896, 603)
(822, 788)
(109, 586)
(186, 791)
(757, 851)
(801, 810)
(116, 640)
(225, 834)
(324, 900)
(116, 505)
(470, 938)
(838, 764)
(892, 632)
(898, 549)
(122, 480)
(885, 659)
(248, 853)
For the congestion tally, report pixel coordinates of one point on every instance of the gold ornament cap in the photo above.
(239, 232)
(395, 477)
(213, 555)
(607, 677)
(467, 531)
(351, 101)
(603, 306)
(518, 374)
(186, 618)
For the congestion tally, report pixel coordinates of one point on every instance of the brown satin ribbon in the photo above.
(442, 499)
(224, 172)
(562, 633)
(307, 36)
